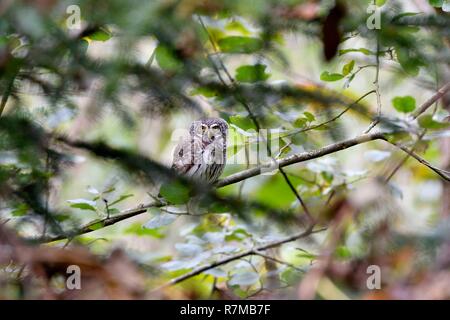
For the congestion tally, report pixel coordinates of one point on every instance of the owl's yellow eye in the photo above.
(215, 126)
(204, 127)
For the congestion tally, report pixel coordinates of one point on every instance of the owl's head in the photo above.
(209, 129)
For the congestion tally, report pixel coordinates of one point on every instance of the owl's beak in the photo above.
(210, 134)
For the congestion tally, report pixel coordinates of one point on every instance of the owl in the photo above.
(202, 155)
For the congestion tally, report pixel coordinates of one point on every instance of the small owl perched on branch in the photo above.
(202, 155)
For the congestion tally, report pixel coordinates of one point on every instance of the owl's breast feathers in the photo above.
(191, 154)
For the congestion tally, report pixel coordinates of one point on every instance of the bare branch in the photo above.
(301, 157)
(265, 256)
(91, 226)
(439, 94)
(442, 173)
(254, 251)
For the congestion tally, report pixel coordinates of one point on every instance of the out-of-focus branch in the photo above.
(98, 224)
(253, 251)
(438, 95)
(442, 173)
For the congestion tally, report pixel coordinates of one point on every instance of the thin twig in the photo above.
(265, 256)
(340, 114)
(377, 89)
(442, 173)
(405, 158)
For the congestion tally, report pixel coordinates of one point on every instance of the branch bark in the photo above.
(300, 157)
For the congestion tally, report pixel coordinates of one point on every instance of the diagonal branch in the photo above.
(301, 157)
(442, 173)
(438, 95)
(253, 251)
(98, 224)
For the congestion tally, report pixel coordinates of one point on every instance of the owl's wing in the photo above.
(187, 153)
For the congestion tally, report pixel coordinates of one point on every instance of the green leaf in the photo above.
(365, 51)
(160, 220)
(167, 59)
(309, 116)
(121, 198)
(175, 192)
(103, 34)
(404, 104)
(326, 76)
(380, 3)
(405, 14)
(427, 122)
(188, 249)
(300, 122)
(343, 252)
(216, 272)
(20, 210)
(327, 176)
(252, 73)
(244, 279)
(275, 192)
(306, 255)
(205, 91)
(137, 229)
(236, 25)
(245, 123)
(238, 44)
(410, 63)
(96, 226)
(83, 204)
(92, 190)
(186, 264)
(238, 235)
(348, 68)
(436, 3)
(290, 276)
